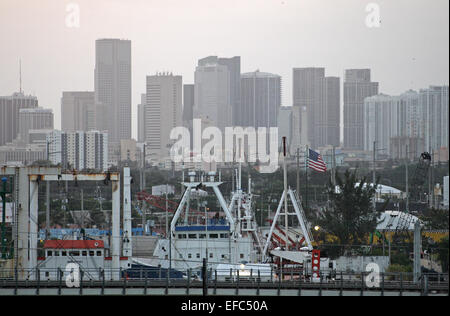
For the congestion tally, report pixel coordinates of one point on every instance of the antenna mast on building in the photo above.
(20, 75)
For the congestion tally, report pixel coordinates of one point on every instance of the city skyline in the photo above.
(69, 68)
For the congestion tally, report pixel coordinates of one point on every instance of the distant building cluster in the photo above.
(96, 125)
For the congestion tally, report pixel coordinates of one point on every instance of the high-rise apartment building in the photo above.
(382, 121)
(357, 87)
(79, 150)
(113, 87)
(163, 112)
(9, 114)
(416, 119)
(434, 101)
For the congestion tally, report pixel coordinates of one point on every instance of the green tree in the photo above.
(350, 216)
(443, 253)
(436, 219)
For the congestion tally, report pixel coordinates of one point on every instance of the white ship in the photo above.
(232, 238)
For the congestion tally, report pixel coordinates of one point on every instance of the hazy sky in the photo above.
(410, 49)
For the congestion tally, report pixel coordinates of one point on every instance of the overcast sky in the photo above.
(410, 49)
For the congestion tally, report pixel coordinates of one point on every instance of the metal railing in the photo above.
(233, 282)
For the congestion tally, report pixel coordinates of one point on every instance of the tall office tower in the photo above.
(113, 87)
(357, 87)
(78, 111)
(234, 68)
(260, 99)
(163, 111)
(319, 98)
(212, 95)
(141, 119)
(434, 101)
(308, 94)
(330, 118)
(34, 119)
(9, 114)
(79, 150)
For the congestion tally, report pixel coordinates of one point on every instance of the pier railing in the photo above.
(218, 282)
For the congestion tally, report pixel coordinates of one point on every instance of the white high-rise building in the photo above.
(419, 120)
(382, 121)
(163, 112)
(434, 101)
(212, 95)
(79, 150)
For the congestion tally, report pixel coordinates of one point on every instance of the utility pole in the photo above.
(298, 170)
(333, 171)
(82, 209)
(373, 176)
(285, 194)
(417, 250)
(47, 199)
(407, 182)
(430, 182)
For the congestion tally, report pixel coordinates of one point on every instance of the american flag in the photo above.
(315, 161)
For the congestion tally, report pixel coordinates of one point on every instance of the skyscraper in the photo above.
(78, 111)
(330, 118)
(435, 107)
(212, 94)
(382, 121)
(9, 114)
(308, 94)
(357, 86)
(319, 98)
(233, 65)
(163, 111)
(113, 87)
(260, 99)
